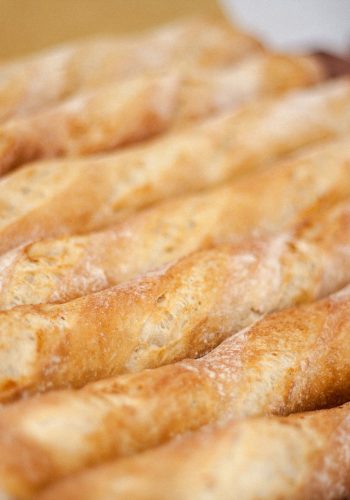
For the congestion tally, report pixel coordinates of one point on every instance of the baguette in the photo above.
(300, 457)
(58, 270)
(75, 196)
(105, 119)
(37, 81)
(182, 310)
(294, 360)
(121, 113)
(257, 76)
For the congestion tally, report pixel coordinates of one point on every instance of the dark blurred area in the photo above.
(336, 66)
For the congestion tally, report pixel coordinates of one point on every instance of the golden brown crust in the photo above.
(105, 119)
(183, 310)
(67, 197)
(122, 113)
(293, 360)
(62, 269)
(38, 81)
(190, 273)
(296, 457)
(204, 93)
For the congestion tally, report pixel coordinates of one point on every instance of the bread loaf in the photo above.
(76, 196)
(294, 360)
(182, 310)
(37, 81)
(304, 456)
(106, 119)
(58, 270)
(121, 113)
(188, 294)
(257, 76)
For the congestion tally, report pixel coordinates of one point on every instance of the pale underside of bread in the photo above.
(182, 310)
(303, 456)
(34, 83)
(58, 270)
(75, 196)
(122, 113)
(289, 361)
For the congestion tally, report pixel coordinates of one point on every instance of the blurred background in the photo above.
(27, 25)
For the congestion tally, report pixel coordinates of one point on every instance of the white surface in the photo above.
(293, 24)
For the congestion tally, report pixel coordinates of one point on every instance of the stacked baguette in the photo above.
(180, 310)
(117, 114)
(303, 456)
(70, 196)
(293, 360)
(193, 288)
(38, 81)
(61, 269)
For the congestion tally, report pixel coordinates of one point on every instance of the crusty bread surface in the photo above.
(55, 198)
(118, 114)
(58, 270)
(33, 83)
(174, 270)
(290, 361)
(184, 309)
(303, 456)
